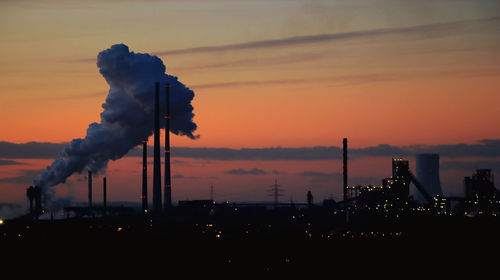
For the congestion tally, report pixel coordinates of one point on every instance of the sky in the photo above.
(265, 74)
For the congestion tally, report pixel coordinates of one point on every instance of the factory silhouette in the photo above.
(367, 212)
(391, 199)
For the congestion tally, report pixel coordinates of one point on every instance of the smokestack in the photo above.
(30, 193)
(90, 190)
(37, 191)
(104, 195)
(126, 119)
(344, 142)
(144, 176)
(168, 186)
(157, 207)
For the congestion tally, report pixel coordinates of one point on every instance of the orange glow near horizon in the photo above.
(265, 74)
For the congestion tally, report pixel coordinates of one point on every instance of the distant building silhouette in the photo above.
(481, 196)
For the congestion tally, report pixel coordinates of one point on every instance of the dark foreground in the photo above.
(278, 242)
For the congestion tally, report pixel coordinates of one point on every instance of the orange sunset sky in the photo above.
(265, 74)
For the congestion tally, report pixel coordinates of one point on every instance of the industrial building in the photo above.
(481, 196)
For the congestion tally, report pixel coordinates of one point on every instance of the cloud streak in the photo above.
(429, 30)
(253, 171)
(362, 78)
(26, 177)
(487, 148)
(10, 162)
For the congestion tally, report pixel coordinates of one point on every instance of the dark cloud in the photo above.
(180, 176)
(324, 177)
(488, 148)
(319, 174)
(275, 153)
(470, 165)
(26, 177)
(30, 150)
(253, 171)
(10, 162)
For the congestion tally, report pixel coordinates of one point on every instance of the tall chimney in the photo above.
(90, 190)
(144, 176)
(157, 207)
(344, 142)
(104, 195)
(167, 187)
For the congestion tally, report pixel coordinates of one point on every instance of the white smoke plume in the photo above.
(128, 114)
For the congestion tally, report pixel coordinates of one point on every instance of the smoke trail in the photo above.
(127, 118)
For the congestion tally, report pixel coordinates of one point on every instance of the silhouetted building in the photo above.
(399, 184)
(481, 196)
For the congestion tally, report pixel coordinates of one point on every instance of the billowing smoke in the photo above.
(128, 114)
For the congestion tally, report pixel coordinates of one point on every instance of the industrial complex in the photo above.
(367, 212)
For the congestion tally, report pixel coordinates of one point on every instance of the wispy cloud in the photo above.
(273, 60)
(26, 177)
(427, 30)
(180, 176)
(253, 171)
(487, 148)
(470, 165)
(437, 29)
(10, 162)
(363, 78)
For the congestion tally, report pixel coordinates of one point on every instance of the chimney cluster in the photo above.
(34, 193)
(167, 188)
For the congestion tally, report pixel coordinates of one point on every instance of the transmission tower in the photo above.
(275, 191)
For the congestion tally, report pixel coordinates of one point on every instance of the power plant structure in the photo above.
(157, 206)
(144, 197)
(168, 184)
(481, 196)
(89, 179)
(344, 170)
(34, 194)
(104, 195)
(393, 197)
(428, 175)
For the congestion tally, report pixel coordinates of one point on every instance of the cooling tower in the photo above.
(428, 175)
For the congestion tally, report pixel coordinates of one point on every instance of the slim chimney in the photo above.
(30, 193)
(144, 176)
(344, 142)
(90, 189)
(104, 195)
(167, 187)
(157, 207)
